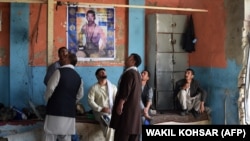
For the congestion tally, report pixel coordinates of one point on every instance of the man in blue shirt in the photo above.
(62, 52)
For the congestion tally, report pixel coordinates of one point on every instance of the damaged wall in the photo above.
(217, 59)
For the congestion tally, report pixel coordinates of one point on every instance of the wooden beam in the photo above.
(146, 7)
(24, 1)
(115, 5)
(50, 31)
(50, 14)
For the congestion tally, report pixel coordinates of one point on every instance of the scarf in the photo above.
(110, 94)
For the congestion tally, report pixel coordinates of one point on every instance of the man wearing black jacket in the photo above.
(190, 95)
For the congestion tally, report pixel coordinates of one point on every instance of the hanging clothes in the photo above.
(188, 38)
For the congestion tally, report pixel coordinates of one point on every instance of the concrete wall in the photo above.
(217, 59)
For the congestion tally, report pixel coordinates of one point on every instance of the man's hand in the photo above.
(106, 110)
(146, 115)
(202, 107)
(120, 107)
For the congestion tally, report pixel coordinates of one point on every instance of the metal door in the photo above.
(167, 61)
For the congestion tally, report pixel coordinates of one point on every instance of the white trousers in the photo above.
(108, 132)
(187, 102)
(52, 137)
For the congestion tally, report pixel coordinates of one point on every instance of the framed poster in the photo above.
(91, 32)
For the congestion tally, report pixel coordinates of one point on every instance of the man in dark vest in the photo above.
(146, 96)
(64, 90)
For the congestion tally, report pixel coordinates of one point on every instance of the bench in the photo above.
(173, 117)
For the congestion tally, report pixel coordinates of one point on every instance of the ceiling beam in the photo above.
(114, 5)
(146, 7)
(50, 15)
(24, 1)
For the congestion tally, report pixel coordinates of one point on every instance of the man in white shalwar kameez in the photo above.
(100, 98)
(64, 90)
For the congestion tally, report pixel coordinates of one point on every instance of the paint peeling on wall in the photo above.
(5, 35)
(242, 76)
(208, 53)
(2, 55)
(204, 23)
(38, 48)
(233, 38)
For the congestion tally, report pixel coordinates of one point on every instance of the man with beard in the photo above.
(62, 54)
(100, 99)
(126, 113)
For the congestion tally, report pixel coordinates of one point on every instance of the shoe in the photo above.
(146, 122)
(105, 119)
(184, 112)
(196, 114)
(208, 110)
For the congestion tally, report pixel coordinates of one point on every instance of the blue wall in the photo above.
(137, 30)
(222, 87)
(20, 78)
(4, 85)
(38, 89)
(20, 83)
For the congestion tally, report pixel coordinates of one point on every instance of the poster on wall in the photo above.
(91, 32)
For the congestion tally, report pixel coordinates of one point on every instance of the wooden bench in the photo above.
(173, 117)
(88, 129)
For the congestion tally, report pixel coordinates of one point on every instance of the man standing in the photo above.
(100, 98)
(190, 95)
(126, 113)
(64, 90)
(95, 37)
(62, 52)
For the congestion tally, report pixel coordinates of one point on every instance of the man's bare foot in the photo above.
(148, 117)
